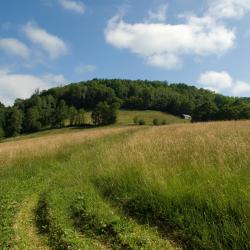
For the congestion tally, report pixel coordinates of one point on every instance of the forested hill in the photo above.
(51, 107)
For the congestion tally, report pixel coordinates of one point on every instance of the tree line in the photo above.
(50, 108)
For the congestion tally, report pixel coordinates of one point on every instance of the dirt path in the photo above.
(26, 235)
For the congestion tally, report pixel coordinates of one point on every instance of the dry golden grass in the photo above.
(195, 175)
(201, 145)
(49, 145)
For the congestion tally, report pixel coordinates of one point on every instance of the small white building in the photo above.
(186, 117)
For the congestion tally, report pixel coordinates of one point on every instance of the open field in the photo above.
(167, 187)
(125, 117)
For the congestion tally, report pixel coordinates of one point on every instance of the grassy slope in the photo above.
(125, 117)
(191, 181)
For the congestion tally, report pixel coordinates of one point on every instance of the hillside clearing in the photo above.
(126, 117)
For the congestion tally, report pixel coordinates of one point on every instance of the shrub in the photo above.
(156, 122)
(164, 122)
(141, 122)
(135, 119)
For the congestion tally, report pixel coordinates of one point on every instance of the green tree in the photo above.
(2, 133)
(47, 110)
(80, 117)
(104, 114)
(2, 120)
(61, 114)
(73, 115)
(234, 111)
(97, 93)
(205, 112)
(32, 122)
(14, 120)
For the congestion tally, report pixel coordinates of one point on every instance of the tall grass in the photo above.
(190, 181)
(29, 166)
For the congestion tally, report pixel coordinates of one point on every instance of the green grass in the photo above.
(128, 188)
(125, 117)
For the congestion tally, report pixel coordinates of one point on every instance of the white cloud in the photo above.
(50, 43)
(213, 89)
(14, 86)
(229, 8)
(159, 15)
(164, 60)
(14, 47)
(218, 80)
(83, 69)
(241, 89)
(164, 45)
(223, 81)
(76, 6)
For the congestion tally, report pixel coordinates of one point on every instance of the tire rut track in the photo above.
(26, 234)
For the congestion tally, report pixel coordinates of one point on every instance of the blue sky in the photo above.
(46, 43)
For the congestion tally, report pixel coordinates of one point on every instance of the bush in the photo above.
(156, 122)
(135, 119)
(141, 122)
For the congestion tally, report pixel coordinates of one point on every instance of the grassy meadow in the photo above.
(151, 187)
(126, 117)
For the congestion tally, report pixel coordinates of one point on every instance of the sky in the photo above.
(48, 43)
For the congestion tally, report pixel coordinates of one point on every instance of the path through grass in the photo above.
(129, 188)
(26, 235)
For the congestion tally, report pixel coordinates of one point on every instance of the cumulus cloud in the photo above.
(85, 68)
(164, 45)
(241, 88)
(14, 86)
(229, 8)
(223, 81)
(159, 15)
(14, 47)
(75, 6)
(51, 44)
(219, 80)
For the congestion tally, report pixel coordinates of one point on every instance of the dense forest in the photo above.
(51, 108)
